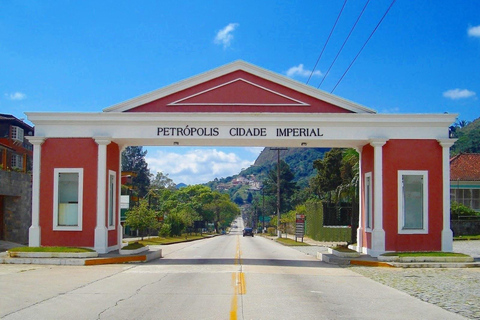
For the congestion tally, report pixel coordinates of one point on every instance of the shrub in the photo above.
(272, 231)
(458, 210)
(165, 230)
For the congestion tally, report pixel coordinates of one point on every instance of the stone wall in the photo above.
(16, 190)
(465, 227)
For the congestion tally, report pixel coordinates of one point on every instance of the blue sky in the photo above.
(84, 56)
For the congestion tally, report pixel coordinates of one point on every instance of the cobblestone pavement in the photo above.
(456, 290)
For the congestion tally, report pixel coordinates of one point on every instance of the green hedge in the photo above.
(317, 231)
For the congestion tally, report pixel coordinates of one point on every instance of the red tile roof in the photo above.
(465, 167)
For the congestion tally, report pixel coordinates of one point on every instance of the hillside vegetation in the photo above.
(468, 136)
(300, 161)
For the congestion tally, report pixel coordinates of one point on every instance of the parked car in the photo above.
(248, 232)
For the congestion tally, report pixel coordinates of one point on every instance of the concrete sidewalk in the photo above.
(114, 257)
(471, 248)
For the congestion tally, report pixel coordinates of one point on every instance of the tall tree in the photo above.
(133, 159)
(162, 181)
(329, 175)
(287, 186)
(141, 217)
(468, 135)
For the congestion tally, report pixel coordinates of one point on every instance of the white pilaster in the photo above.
(119, 227)
(378, 234)
(360, 199)
(101, 231)
(447, 234)
(34, 234)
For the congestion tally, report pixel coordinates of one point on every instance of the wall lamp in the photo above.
(304, 144)
(175, 143)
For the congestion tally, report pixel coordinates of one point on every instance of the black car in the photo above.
(248, 232)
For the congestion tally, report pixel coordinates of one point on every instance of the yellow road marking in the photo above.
(238, 282)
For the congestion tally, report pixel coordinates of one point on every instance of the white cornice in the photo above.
(337, 129)
(235, 66)
(136, 118)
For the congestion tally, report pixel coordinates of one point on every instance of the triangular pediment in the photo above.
(232, 93)
(239, 87)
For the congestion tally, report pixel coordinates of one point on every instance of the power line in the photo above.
(328, 39)
(354, 25)
(361, 49)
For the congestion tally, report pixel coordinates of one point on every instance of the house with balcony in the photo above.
(16, 154)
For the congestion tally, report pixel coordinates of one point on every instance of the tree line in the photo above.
(162, 208)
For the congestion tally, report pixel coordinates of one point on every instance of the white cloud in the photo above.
(255, 150)
(455, 94)
(16, 96)
(225, 35)
(474, 31)
(300, 71)
(391, 110)
(197, 165)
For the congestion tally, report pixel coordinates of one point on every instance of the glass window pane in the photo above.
(111, 199)
(476, 194)
(68, 199)
(413, 201)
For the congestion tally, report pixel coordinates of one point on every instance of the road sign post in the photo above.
(299, 226)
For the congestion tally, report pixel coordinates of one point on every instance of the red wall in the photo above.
(412, 155)
(68, 153)
(398, 155)
(113, 163)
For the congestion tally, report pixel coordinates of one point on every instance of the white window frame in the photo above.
(401, 213)
(16, 161)
(368, 202)
(112, 176)
(56, 173)
(17, 133)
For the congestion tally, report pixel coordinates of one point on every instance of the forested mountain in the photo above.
(300, 161)
(468, 135)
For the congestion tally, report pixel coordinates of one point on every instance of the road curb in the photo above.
(149, 256)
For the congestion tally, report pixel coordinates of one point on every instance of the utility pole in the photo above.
(263, 208)
(279, 234)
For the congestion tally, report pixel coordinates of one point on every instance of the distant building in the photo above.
(465, 180)
(15, 151)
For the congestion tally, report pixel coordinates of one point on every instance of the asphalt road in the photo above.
(226, 277)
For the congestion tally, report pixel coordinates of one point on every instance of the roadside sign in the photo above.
(265, 219)
(299, 226)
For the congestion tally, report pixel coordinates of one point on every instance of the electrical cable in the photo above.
(328, 39)
(343, 45)
(361, 49)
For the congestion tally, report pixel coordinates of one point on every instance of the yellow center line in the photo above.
(238, 282)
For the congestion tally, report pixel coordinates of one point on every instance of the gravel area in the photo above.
(471, 247)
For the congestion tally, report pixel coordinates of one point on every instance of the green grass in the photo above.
(425, 254)
(343, 249)
(290, 242)
(133, 246)
(155, 241)
(50, 249)
(471, 237)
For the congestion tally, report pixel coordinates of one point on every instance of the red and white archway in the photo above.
(405, 194)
